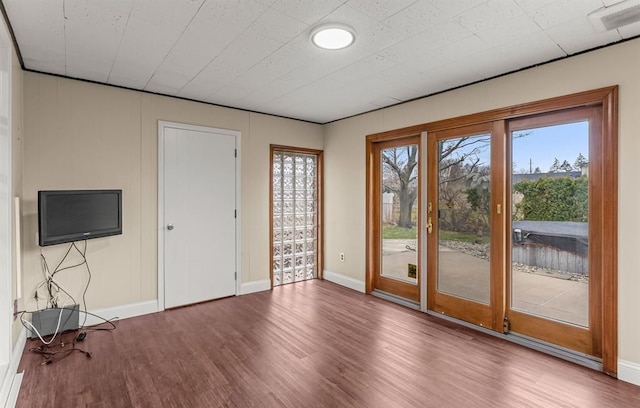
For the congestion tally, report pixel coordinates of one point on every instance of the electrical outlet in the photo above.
(342, 256)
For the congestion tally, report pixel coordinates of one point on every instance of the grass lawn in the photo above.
(395, 232)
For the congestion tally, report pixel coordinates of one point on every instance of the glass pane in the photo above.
(399, 213)
(294, 217)
(464, 217)
(550, 222)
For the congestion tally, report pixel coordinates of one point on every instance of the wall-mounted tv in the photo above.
(74, 215)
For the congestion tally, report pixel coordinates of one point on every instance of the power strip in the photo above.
(46, 321)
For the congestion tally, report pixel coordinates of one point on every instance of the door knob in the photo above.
(170, 227)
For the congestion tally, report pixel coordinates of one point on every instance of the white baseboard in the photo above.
(629, 372)
(344, 281)
(120, 312)
(256, 286)
(11, 381)
(15, 390)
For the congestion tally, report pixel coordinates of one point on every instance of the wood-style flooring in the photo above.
(310, 344)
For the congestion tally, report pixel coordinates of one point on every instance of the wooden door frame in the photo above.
(372, 191)
(607, 99)
(162, 125)
(320, 210)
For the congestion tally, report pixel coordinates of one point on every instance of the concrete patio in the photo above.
(467, 276)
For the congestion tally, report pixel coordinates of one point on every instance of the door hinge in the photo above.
(235, 213)
(235, 152)
(235, 275)
(506, 326)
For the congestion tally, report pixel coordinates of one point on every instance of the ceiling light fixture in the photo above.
(333, 36)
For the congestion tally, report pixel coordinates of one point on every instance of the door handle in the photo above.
(429, 225)
(169, 227)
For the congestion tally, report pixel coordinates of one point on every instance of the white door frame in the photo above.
(6, 267)
(6, 189)
(162, 125)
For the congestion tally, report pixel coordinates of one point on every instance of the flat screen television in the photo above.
(74, 215)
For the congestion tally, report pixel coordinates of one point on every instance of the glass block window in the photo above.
(295, 217)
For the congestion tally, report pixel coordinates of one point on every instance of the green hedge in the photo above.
(553, 199)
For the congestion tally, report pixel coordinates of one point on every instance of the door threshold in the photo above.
(563, 353)
(396, 299)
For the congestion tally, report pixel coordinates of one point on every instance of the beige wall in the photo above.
(345, 159)
(80, 135)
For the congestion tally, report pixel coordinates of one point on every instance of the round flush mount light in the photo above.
(333, 36)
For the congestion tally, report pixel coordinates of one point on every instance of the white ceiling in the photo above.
(256, 55)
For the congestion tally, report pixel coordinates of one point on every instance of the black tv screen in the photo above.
(74, 215)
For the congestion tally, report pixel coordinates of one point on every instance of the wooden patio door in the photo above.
(512, 247)
(395, 214)
(553, 282)
(464, 262)
(520, 221)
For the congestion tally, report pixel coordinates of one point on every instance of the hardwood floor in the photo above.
(311, 344)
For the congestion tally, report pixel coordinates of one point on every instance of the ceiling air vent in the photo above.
(616, 16)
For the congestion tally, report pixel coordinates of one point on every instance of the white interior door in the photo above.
(199, 217)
